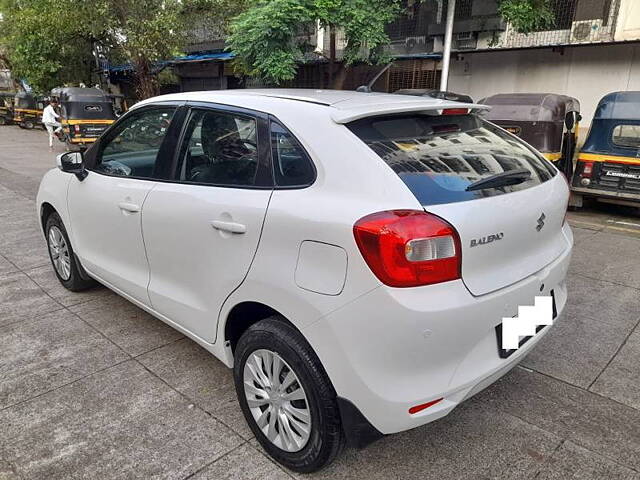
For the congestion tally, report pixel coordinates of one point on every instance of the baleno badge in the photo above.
(488, 239)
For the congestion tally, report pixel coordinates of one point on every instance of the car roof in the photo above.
(343, 105)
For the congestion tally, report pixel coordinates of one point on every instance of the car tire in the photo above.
(64, 262)
(290, 351)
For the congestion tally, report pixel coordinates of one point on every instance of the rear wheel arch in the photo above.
(242, 316)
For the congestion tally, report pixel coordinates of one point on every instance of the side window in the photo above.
(219, 148)
(133, 151)
(291, 164)
(627, 136)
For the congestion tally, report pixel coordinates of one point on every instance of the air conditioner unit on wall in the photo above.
(465, 41)
(415, 44)
(586, 31)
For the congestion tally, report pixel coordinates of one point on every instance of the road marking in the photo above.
(602, 227)
(631, 230)
(586, 223)
(624, 223)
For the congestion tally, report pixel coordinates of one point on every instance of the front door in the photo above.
(201, 231)
(106, 207)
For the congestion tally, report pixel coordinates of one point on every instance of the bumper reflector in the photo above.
(423, 406)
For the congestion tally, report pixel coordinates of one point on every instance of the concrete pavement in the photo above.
(93, 387)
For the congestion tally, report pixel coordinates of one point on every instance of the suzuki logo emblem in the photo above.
(541, 221)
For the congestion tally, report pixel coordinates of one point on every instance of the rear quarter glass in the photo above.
(438, 156)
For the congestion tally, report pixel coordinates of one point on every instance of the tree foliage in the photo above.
(527, 15)
(268, 38)
(45, 50)
(49, 42)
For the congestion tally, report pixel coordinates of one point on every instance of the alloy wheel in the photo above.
(59, 253)
(277, 400)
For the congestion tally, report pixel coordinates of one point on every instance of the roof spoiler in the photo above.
(429, 108)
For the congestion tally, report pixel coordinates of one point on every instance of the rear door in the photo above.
(507, 232)
(202, 229)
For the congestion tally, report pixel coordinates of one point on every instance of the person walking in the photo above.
(50, 120)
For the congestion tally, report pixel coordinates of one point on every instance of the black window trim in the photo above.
(93, 154)
(264, 175)
(273, 119)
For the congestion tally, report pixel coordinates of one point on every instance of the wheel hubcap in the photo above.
(59, 251)
(277, 400)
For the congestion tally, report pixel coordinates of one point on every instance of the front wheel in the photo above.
(286, 396)
(28, 124)
(64, 262)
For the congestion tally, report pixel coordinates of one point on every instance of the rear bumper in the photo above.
(392, 349)
(593, 192)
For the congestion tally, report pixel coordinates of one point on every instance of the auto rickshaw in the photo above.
(546, 121)
(86, 113)
(27, 110)
(608, 165)
(6, 107)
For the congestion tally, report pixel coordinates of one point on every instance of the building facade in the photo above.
(591, 48)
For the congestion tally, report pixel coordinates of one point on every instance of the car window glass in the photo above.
(219, 149)
(291, 165)
(627, 136)
(439, 156)
(133, 151)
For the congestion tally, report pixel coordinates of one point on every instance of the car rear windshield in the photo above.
(439, 156)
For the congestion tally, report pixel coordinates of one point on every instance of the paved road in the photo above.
(93, 387)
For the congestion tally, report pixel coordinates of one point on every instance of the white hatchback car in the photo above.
(350, 255)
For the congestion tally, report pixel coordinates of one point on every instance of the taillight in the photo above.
(408, 248)
(587, 169)
(455, 111)
(76, 128)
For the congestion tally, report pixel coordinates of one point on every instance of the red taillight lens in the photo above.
(76, 128)
(455, 111)
(587, 169)
(408, 248)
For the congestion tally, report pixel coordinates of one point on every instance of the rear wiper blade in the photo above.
(512, 177)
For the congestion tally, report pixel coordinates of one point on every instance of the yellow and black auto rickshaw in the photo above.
(6, 107)
(27, 110)
(608, 165)
(546, 121)
(86, 113)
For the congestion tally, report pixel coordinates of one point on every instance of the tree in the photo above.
(42, 46)
(50, 42)
(268, 38)
(527, 15)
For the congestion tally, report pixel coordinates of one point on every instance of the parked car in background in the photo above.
(546, 121)
(608, 165)
(350, 255)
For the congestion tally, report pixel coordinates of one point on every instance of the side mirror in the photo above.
(72, 162)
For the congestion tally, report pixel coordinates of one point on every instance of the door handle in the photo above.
(232, 227)
(129, 207)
